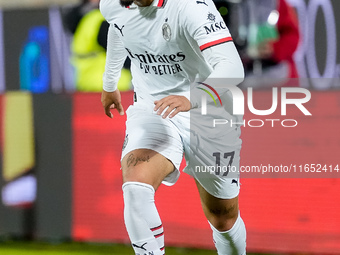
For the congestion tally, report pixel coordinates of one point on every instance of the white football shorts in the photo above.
(212, 154)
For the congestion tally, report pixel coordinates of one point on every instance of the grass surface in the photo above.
(40, 248)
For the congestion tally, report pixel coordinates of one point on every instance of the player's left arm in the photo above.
(226, 63)
(227, 68)
(217, 49)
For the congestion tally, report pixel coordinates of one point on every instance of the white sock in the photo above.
(142, 220)
(233, 241)
(158, 233)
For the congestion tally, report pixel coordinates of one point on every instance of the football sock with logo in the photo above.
(231, 242)
(142, 220)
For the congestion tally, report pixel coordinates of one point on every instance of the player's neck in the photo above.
(143, 3)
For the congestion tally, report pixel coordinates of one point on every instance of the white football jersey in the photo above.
(164, 42)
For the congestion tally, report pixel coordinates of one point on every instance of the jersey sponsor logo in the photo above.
(158, 64)
(149, 58)
(120, 29)
(211, 17)
(166, 30)
(201, 2)
(214, 27)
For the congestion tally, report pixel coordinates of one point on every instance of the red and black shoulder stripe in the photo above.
(216, 42)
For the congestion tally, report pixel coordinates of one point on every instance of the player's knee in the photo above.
(222, 219)
(134, 175)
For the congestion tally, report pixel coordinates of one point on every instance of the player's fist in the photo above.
(173, 105)
(112, 100)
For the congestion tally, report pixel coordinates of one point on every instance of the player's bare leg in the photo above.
(228, 228)
(143, 172)
(146, 166)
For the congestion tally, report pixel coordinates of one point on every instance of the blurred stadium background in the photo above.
(59, 155)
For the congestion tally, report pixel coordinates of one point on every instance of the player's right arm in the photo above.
(115, 58)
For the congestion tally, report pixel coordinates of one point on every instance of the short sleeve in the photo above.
(204, 24)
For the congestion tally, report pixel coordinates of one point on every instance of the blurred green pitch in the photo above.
(40, 248)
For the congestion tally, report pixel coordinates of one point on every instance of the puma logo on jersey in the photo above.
(202, 2)
(234, 181)
(120, 29)
(140, 247)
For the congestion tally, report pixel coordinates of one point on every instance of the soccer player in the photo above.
(170, 44)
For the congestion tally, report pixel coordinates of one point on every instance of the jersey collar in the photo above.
(159, 3)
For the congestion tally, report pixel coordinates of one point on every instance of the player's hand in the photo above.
(174, 105)
(112, 100)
